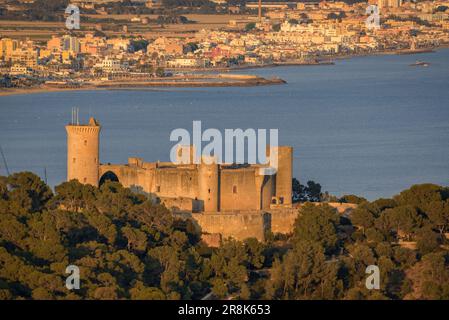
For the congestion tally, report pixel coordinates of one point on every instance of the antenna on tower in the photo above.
(75, 116)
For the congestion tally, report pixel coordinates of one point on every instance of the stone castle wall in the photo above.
(212, 190)
(239, 226)
(283, 220)
(243, 224)
(238, 190)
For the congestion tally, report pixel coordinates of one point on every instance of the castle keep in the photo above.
(240, 201)
(83, 152)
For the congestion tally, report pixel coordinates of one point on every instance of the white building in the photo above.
(109, 65)
(18, 69)
(186, 63)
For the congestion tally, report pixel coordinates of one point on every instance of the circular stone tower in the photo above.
(208, 184)
(83, 152)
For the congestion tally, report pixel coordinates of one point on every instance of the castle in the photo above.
(227, 200)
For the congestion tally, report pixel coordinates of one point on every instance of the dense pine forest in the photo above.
(127, 247)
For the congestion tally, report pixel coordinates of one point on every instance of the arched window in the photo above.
(234, 189)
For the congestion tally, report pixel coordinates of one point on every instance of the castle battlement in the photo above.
(83, 129)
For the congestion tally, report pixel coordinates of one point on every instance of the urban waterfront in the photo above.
(370, 126)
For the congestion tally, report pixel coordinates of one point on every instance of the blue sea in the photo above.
(370, 126)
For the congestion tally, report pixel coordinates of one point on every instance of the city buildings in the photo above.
(301, 33)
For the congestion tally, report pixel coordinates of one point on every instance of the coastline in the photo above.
(194, 81)
(395, 52)
(324, 60)
(204, 79)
